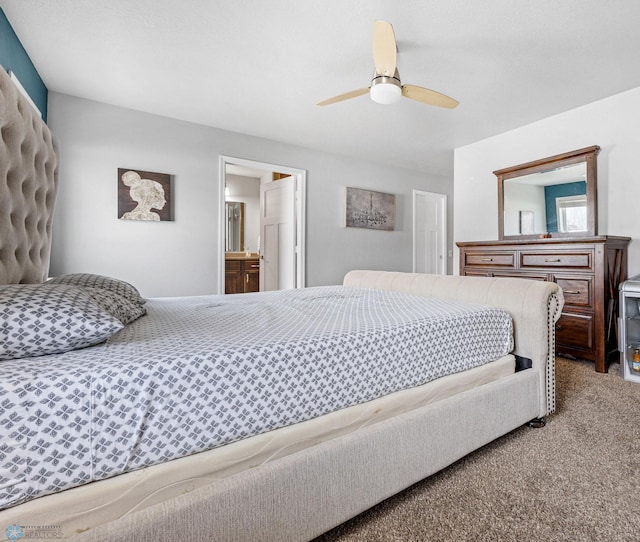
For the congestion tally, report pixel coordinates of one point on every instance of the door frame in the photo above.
(300, 176)
(444, 262)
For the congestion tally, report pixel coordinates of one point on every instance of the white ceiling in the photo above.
(259, 67)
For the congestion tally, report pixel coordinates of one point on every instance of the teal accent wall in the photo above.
(557, 191)
(13, 57)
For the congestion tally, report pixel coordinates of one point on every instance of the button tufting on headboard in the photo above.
(28, 184)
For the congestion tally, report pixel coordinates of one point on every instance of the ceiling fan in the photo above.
(386, 87)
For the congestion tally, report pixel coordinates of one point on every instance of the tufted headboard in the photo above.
(28, 184)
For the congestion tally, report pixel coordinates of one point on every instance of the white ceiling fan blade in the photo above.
(345, 96)
(384, 48)
(429, 97)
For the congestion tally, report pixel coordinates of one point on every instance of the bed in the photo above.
(381, 381)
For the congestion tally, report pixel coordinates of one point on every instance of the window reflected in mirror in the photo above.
(572, 213)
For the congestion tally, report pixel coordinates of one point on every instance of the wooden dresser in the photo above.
(588, 269)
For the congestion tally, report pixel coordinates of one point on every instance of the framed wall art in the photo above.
(369, 209)
(144, 195)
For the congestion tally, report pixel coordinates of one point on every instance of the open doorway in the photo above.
(262, 234)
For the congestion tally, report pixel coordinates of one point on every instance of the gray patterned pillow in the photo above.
(101, 282)
(116, 305)
(40, 319)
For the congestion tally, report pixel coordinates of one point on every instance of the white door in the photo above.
(277, 235)
(429, 233)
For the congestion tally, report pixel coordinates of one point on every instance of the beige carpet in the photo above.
(576, 479)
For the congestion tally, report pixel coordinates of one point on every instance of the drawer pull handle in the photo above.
(487, 259)
(552, 260)
(247, 278)
(572, 292)
(559, 326)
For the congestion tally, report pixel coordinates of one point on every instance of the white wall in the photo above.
(181, 257)
(609, 123)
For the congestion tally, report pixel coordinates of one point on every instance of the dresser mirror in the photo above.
(551, 197)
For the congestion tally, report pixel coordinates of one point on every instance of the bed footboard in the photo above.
(535, 306)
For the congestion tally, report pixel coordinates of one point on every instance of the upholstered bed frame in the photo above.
(29, 173)
(302, 495)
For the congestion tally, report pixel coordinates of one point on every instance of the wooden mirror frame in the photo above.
(587, 155)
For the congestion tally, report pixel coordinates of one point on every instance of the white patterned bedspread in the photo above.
(200, 372)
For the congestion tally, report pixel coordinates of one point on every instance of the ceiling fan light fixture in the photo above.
(384, 89)
(385, 93)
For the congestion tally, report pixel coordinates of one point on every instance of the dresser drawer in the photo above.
(573, 260)
(575, 331)
(502, 259)
(578, 291)
(518, 275)
(476, 273)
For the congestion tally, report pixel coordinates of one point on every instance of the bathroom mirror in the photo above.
(235, 226)
(551, 197)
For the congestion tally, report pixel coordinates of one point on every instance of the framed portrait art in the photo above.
(144, 195)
